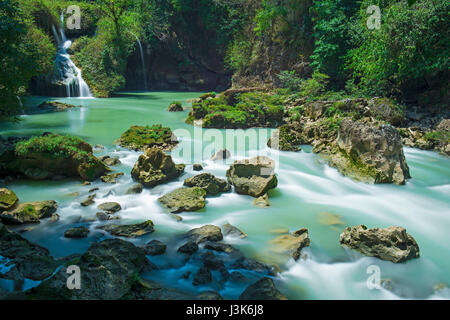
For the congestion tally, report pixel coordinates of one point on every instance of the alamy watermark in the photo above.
(74, 280)
(374, 19)
(374, 280)
(74, 20)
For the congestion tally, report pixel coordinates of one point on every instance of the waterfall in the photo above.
(69, 74)
(142, 60)
(20, 105)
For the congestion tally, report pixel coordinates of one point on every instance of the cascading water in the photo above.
(142, 60)
(68, 72)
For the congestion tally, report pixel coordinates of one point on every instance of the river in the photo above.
(309, 194)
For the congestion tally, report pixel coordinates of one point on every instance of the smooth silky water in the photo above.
(309, 194)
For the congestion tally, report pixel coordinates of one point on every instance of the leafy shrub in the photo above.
(290, 80)
(314, 86)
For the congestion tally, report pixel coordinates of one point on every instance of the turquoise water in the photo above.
(309, 194)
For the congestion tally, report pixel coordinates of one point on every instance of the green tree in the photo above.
(25, 51)
(412, 43)
(331, 37)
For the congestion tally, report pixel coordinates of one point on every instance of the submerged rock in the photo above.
(155, 247)
(135, 189)
(262, 201)
(202, 276)
(54, 218)
(291, 243)
(130, 230)
(253, 176)
(89, 200)
(221, 155)
(205, 233)
(230, 230)
(110, 207)
(184, 199)
(144, 289)
(29, 212)
(26, 260)
(111, 177)
(392, 244)
(110, 161)
(8, 199)
(189, 247)
(155, 167)
(56, 106)
(263, 289)
(141, 138)
(77, 232)
(209, 183)
(370, 152)
(108, 272)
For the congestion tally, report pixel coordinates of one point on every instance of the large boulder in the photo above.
(184, 199)
(209, 183)
(392, 244)
(253, 176)
(155, 167)
(50, 155)
(263, 289)
(26, 260)
(371, 152)
(108, 272)
(129, 230)
(141, 138)
(29, 212)
(8, 199)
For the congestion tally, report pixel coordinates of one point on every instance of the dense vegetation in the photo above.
(244, 110)
(271, 42)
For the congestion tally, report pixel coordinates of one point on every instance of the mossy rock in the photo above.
(175, 106)
(143, 137)
(48, 155)
(209, 183)
(8, 199)
(155, 167)
(130, 230)
(184, 199)
(29, 212)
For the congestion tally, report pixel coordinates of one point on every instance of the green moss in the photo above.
(56, 147)
(177, 103)
(139, 137)
(7, 199)
(438, 136)
(252, 109)
(208, 95)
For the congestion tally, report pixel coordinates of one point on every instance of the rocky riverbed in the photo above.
(267, 225)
